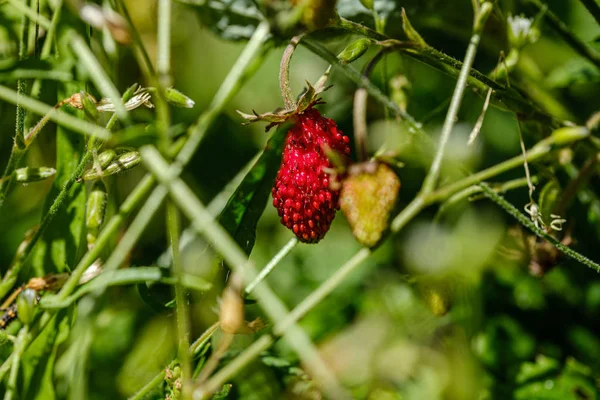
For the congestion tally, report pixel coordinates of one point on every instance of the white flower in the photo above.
(521, 31)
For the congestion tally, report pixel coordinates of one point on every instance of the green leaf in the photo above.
(575, 71)
(230, 19)
(223, 393)
(248, 202)
(39, 360)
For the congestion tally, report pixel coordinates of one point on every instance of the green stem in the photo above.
(272, 264)
(216, 235)
(31, 14)
(137, 195)
(163, 63)
(561, 28)
(231, 369)
(475, 189)
(141, 53)
(451, 117)
(15, 362)
(149, 387)
(504, 98)
(284, 73)
(535, 153)
(97, 74)
(61, 118)
(594, 9)
(12, 274)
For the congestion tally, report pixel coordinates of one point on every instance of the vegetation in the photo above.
(140, 252)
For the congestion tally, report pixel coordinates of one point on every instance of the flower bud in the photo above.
(29, 174)
(106, 157)
(354, 50)
(26, 303)
(122, 163)
(95, 211)
(367, 198)
(178, 99)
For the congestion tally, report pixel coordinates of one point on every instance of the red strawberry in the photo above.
(302, 194)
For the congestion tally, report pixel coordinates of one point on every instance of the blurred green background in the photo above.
(448, 309)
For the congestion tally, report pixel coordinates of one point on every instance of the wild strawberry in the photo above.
(302, 194)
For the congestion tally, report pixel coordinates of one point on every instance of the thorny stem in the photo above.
(434, 171)
(525, 221)
(284, 73)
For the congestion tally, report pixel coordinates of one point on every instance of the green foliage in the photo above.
(467, 294)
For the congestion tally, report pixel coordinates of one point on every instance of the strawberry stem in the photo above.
(284, 73)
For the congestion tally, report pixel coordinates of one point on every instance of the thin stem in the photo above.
(594, 9)
(97, 74)
(61, 118)
(183, 323)
(322, 291)
(137, 195)
(31, 14)
(525, 221)
(239, 363)
(475, 189)
(228, 88)
(216, 235)
(284, 73)
(434, 171)
(149, 387)
(505, 98)
(575, 184)
(525, 163)
(535, 153)
(163, 63)
(285, 250)
(15, 362)
(561, 28)
(359, 118)
(21, 86)
(11, 275)
(141, 53)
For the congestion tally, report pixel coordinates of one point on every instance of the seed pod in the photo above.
(354, 50)
(367, 197)
(26, 303)
(29, 174)
(122, 163)
(178, 99)
(95, 211)
(106, 157)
